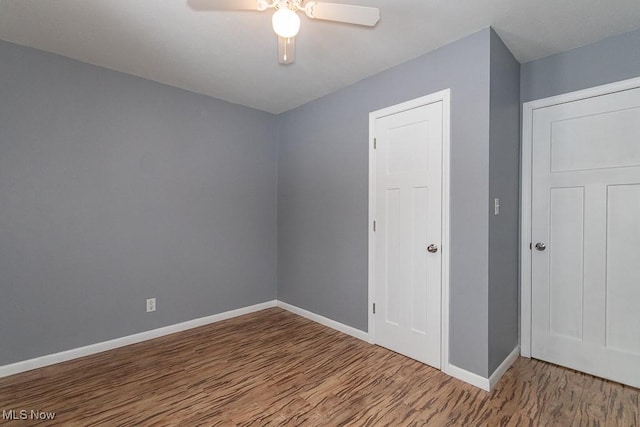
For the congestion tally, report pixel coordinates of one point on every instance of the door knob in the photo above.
(432, 248)
(541, 246)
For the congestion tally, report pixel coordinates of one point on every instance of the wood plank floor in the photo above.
(274, 368)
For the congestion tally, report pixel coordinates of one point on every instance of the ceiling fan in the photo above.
(285, 19)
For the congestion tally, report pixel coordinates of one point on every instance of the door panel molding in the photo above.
(528, 110)
(443, 96)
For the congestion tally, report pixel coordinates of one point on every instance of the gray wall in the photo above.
(612, 59)
(322, 193)
(504, 179)
(114, 189)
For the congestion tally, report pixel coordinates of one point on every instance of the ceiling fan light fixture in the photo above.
(286, 20)
(286, 23)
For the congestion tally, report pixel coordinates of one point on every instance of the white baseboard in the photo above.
(486, 384)
(504, 366)
(39, 362)
(467, 376)
(50, 359)
(357, 333)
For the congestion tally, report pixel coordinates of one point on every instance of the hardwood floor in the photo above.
(274, 368)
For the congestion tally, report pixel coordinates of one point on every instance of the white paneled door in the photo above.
(408, 215)
(586, 236)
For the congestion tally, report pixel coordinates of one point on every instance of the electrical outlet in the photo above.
(151, 305)
(496, 206)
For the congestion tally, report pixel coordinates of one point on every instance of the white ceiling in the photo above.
(232, 55)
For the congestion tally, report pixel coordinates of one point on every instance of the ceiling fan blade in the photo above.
(223, 4)
(286, 50)
(359, 15)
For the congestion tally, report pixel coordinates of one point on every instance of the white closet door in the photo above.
(408, 221)
(586, 235)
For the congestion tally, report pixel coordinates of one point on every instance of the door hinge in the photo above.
(375, 143)
(374, 226)
(374, 308)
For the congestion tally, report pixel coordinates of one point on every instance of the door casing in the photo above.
(526, 193)
(443, 96)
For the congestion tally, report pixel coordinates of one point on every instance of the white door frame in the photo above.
(445, 97)
(528, 109)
